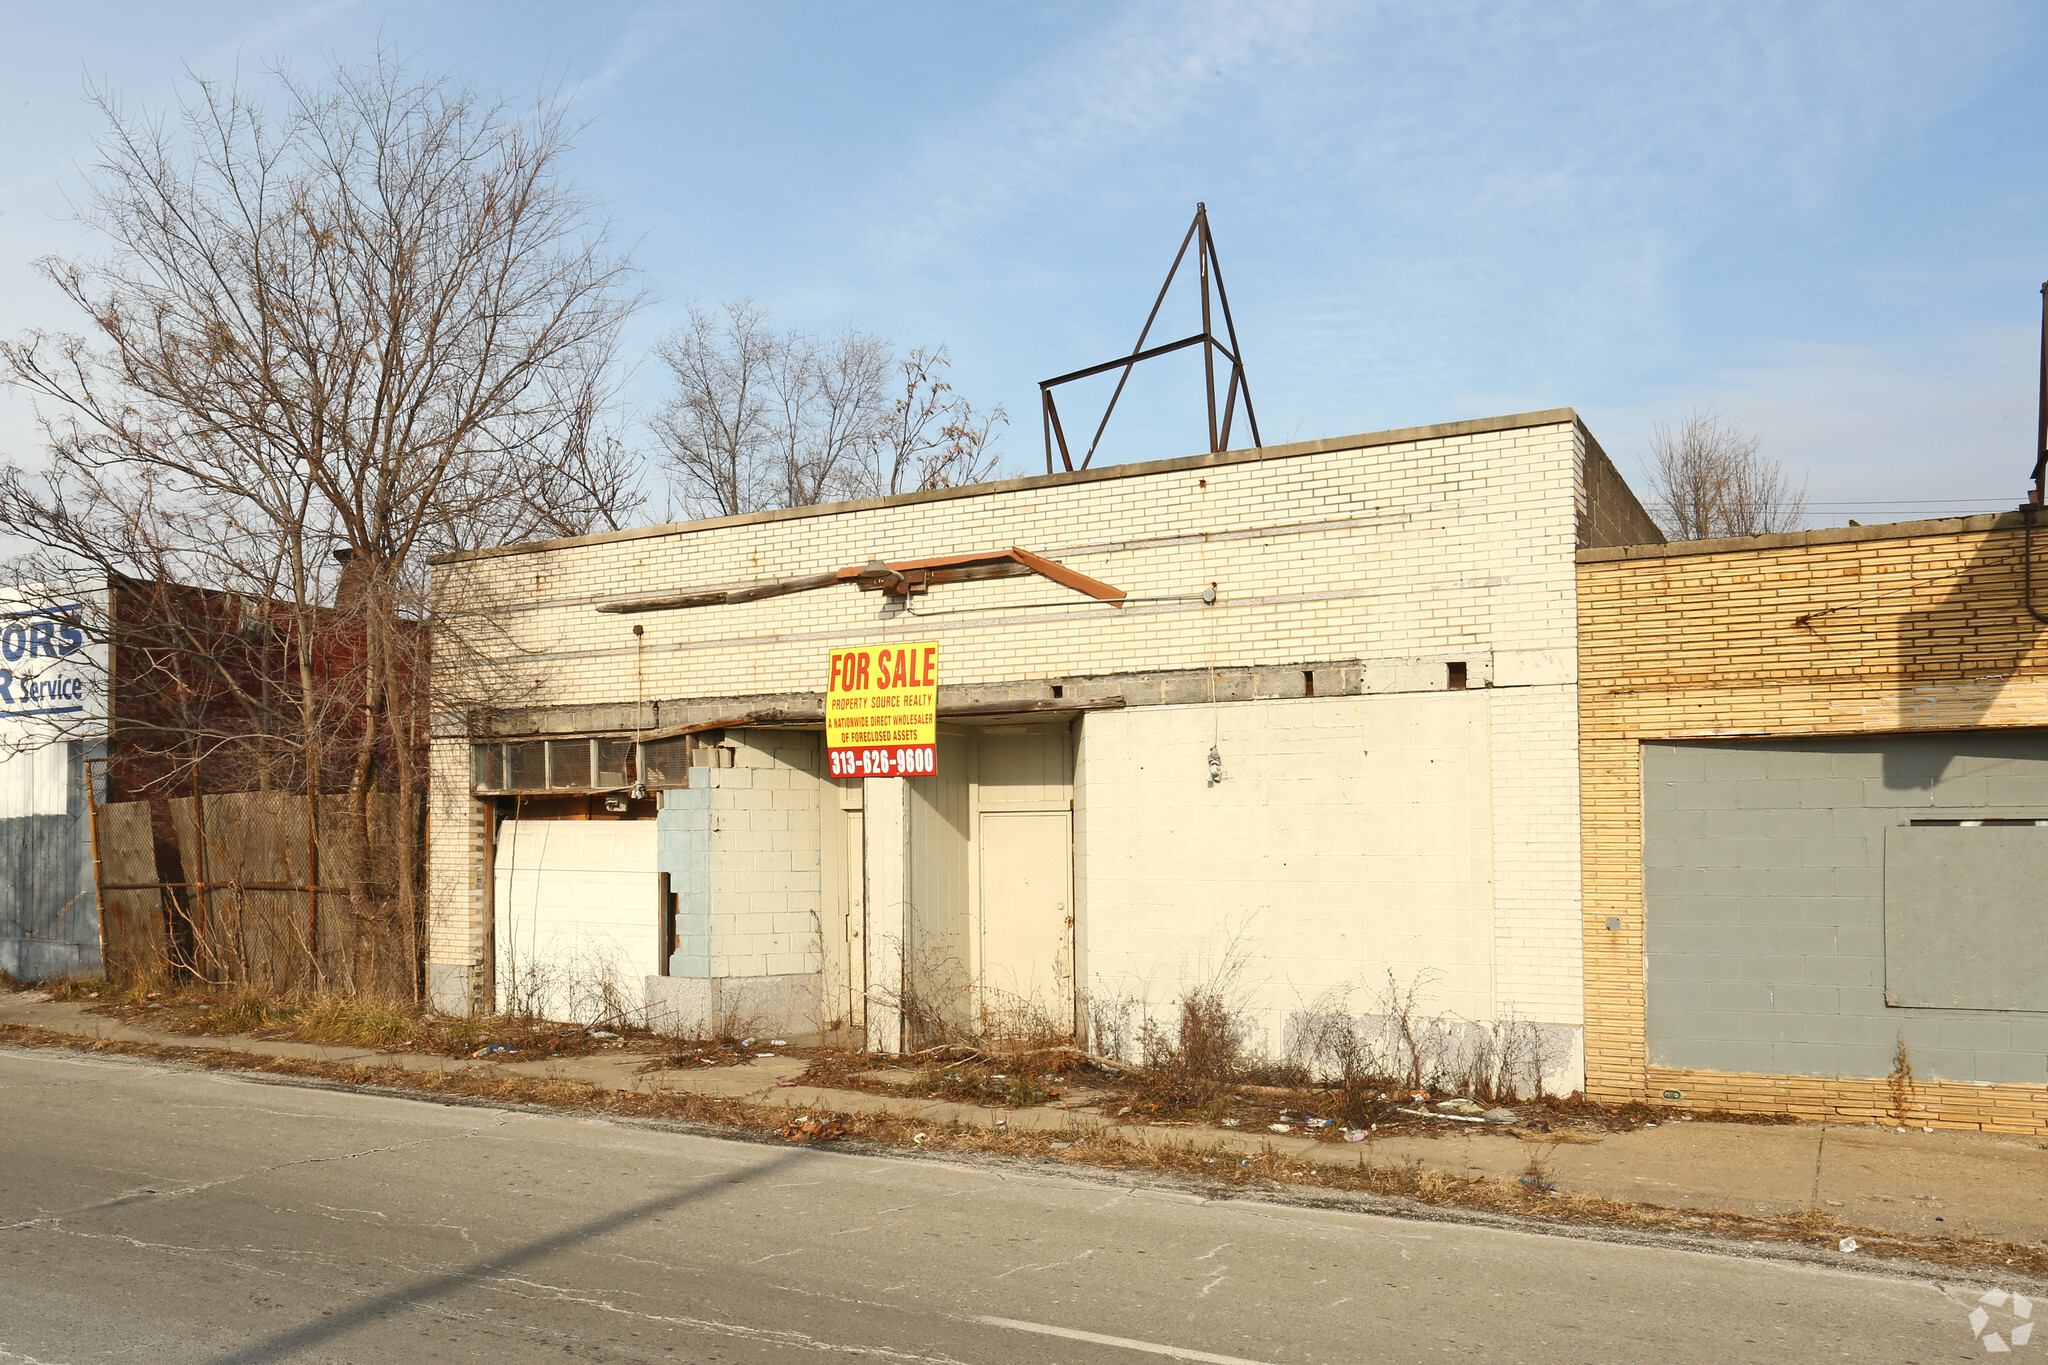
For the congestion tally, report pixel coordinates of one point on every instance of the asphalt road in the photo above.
(158, 1215)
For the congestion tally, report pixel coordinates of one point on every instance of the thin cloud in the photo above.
(647, 31)
(1947, 417)
(276, 31)
(1132, 78)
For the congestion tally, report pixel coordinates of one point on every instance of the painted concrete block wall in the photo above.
(1349, 838)
(1764, 896)
(682, 849)
(1538, 951)
(766, 872)
(742, 849)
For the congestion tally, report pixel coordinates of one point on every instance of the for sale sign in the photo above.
(881, 711)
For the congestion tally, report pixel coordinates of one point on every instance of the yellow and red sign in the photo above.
(882, 711)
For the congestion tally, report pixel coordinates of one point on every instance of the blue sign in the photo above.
(30, 687)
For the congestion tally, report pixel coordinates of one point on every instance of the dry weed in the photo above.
(1206, 1165)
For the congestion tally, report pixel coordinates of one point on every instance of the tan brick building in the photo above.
(1815, 777)
(1329, 733)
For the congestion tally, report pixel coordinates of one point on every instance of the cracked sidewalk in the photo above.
(1930, 1183)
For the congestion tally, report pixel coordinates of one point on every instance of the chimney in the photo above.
(358, 573)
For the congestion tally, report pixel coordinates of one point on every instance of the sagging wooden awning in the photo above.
(897, 578)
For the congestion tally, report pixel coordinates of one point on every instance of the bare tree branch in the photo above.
(327, 337)
(1709, 478)
(757, 419)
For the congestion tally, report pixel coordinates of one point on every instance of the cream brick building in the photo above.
(1328, 739)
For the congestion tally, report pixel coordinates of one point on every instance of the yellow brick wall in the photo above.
(1920, 626)
(1847, 1099)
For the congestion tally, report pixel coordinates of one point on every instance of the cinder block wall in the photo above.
(1765, 881)
(1399, 545)
(1356, 564)
(459, 881)
(741, 847)
(765, 864)
(1861, 630)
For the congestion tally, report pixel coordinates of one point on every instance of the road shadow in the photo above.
(288, 1343)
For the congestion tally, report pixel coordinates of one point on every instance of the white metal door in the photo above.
(1027, 918)
(578, 917)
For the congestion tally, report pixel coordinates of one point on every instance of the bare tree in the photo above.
(832, 407)
(327, 337)
(757, 419)
(934, 437)
(1710, 478)
(717, 428)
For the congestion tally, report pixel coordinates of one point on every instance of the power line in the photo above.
(1922, 502)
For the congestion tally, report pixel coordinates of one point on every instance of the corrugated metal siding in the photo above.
(49, 915)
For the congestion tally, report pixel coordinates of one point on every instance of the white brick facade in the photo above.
(1403, 826)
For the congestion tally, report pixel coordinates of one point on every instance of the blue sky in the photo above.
(1831, 221)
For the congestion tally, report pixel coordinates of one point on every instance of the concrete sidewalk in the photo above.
(1987, 1185)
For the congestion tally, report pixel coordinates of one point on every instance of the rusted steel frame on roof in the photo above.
(1207, 265)
(2041, 413)
(893, 577)
(1138, 349)
(1128, 361)
(1238, 383)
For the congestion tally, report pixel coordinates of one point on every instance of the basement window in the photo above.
(1454, 677)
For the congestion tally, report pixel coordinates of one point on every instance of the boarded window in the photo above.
(1962, 919)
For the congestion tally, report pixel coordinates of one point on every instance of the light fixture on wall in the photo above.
(1215, 765)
